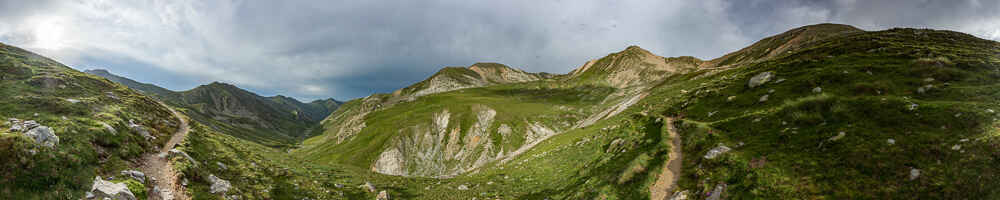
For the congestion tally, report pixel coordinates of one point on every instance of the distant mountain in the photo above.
(271, 120)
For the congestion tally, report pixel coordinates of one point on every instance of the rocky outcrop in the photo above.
(107, 190)
(42, 135)
(219, 186)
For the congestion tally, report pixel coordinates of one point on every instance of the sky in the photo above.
(313, 49)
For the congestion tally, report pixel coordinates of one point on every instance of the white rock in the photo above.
(914, 174)
(715, 152)
(913, 106)
(891, 141)
(680, 195)
(107, 190)
(763, 98)
(760, 79)
(730, 98)
(219, 186)
(73, 100)
(956, 147)
(817, 89)
(383, 195)
(141, 130)
(463, 187)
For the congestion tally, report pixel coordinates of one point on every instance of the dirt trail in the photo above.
(672, 170)
(156, 166)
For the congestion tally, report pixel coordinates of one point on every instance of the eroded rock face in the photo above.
(440, 149)
(107, 190)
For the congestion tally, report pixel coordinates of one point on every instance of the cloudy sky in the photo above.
(349, 49)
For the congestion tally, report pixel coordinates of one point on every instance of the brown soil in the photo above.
(667, 181)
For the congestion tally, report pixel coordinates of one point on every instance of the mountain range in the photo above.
(824, 111)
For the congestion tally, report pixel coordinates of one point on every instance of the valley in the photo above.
(825, 111)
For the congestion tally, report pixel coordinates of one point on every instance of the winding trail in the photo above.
(667, 180)
(156, 166)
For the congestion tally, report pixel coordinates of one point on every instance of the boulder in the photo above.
(107, 190)
(383, 195)
(219, 186)
(137, 175)
(43, 135)
(141, 130)
(715, 152)
(760, 79)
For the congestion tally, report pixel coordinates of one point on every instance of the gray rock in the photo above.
(141, 130)
(368, 187)
(760, 79)
(30, 124)
(715, 152)
(730, 98)
(223, 166)
(43, 135)
(178, 152)
(383, 195)
(219, 186)
(913, 106)
(137, 175)
(817, 89)
(109, 128)
(107, 190)
(680, 195)
(914, 173)
(763, 98)
(718, 192)
(463, 187)
(891, 141)
(73, 100)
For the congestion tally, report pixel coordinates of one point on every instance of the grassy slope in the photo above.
(85, 149)
(514, 103)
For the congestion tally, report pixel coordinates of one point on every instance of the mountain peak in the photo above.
(783, 43)
(632, 66)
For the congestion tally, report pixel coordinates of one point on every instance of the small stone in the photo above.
(956, 147)
(770, 91)
(891, 141)
(964, 140)
(730, 98)
(368, 187)
(839, 136)
(914, 174)
(223, 166)
(763, 98)
(712, 113)
(929, 80)
(463, 187)
(779, 80)
(817, 90)
(137, 175)
(913, 106)
(989, 110)
(73, 100)
(382, 195)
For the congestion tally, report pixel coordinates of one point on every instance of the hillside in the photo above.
(86, 127)
(834, 112)
(273, 121)
(823, 111)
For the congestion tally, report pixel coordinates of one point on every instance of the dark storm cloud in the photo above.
(318, 49)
